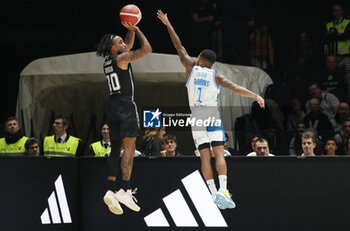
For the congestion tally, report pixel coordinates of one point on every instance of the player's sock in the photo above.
(223, 181)
(126, 184)
(111, 185)
(211, 186)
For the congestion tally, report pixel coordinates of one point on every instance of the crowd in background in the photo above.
(313, 96)
(157, 143)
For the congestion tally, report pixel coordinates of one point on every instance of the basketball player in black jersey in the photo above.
(122, 112)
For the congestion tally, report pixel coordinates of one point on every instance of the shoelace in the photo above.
(131, 193)
(227, 193)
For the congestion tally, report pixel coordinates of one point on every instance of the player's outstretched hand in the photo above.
(261, 101)
(130, 27)
(163, 17)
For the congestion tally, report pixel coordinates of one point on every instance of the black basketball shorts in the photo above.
(123, 118)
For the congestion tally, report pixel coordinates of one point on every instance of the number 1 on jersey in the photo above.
(113, 82)
(200, 94)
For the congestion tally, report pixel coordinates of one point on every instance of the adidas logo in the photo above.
(55, 212)
(180, 211)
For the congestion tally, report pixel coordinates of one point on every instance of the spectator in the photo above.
(261, 148)
(348, 146)
(295, 116)
(261, 48)
(330, 147)
(342, 114)
(341, 138)
(317, 120)
(14, 140)
(308, 143)
(153, 142)
(100, 148)
(295, 148)
(338, 33)
(61, 144)
(32, 147)
(252, 145)
(328, 102)
(331, 79)
(169, 145)
(232, 151)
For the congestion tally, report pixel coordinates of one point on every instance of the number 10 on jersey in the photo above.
(113, 82)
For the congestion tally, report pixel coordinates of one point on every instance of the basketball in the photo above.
(130, 13)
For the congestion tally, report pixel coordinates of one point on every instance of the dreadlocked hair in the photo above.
(105, 45)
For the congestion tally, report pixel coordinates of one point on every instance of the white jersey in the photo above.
(202, 88)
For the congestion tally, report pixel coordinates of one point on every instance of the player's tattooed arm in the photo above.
(226, 83)
(130, 36)
(185, 59)
(130, 56)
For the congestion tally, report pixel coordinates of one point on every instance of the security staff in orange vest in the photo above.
(61, 144)
(14, 140)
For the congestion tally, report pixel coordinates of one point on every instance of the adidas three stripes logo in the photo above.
(53, 214)
(180, 211)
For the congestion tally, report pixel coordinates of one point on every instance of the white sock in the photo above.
(211, 186)
(223, 181)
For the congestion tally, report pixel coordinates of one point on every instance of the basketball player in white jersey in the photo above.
(203, 86)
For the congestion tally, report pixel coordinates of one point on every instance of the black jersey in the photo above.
(120, 82)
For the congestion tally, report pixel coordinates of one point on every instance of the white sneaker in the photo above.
(223, 199)
(127, 199)
(112, 203)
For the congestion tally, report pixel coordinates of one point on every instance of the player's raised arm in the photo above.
(130, 56)
(185, 59)
(226, 83)
(129, 38)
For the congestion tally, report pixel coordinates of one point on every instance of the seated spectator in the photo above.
(348, 146)
(61, 144)
(232, 151)
(14, 140)
(295, 148)
(317, 120)
(341, 115)
(252, 145)
(261, 148)
(331, 79)
(328, 102)
(308, 143)
(169, 145)
(153, 142)
(330, 147)
(342, 136)
(100, 148)
(32, 147)
(295, 116)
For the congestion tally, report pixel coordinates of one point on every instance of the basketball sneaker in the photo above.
(223, 199)
(128, 199)
(112, 203)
